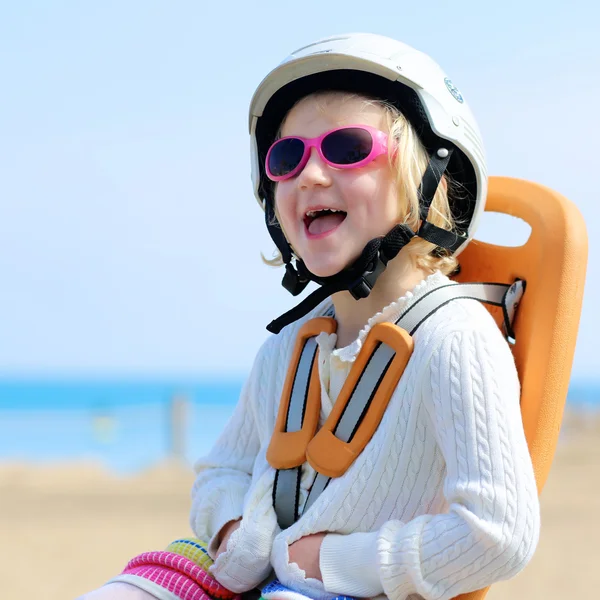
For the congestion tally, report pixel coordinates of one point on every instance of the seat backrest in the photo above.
(553, 263)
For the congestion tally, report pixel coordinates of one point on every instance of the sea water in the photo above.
(131, 425)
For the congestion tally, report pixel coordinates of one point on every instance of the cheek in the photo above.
(391, 204)
(373, 198)
(284, 206)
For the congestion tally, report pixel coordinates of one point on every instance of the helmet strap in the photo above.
(292, 281)
(436, 168)
(358, 279)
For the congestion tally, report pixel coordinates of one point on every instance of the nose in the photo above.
(315, 172)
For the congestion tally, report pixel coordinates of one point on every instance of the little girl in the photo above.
(370, 170)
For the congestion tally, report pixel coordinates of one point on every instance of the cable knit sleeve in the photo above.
(224, 475)
(491, 527)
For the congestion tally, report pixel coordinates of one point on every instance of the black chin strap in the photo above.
(361, 276)
(358, 279)
(429, 185)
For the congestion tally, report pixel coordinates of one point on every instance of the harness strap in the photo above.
(496, 294)
(287, 481)
(356, 408)
(286, 492)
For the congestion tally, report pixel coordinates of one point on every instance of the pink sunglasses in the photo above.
(348, 147)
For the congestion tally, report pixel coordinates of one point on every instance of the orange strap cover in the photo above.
(328, 454)
(287, 449)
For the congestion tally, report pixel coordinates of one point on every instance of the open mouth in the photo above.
(322, 221)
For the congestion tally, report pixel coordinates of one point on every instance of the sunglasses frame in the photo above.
(378, 148)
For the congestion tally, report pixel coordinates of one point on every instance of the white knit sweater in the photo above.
(441, 501)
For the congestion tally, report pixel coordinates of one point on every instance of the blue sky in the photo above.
(130, 246)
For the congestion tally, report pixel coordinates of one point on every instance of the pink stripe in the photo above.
(183, 565)
(175, 582)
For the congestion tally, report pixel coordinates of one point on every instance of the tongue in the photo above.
(325, 223)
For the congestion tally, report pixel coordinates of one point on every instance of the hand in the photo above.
(225, 534)
(306, 553)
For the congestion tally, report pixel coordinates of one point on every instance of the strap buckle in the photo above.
(361, 287)
(292, 280)
(510, 302)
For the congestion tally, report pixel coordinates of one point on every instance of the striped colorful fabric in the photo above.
(173, 581)
(154, 589)
(194, 549)
(277, 591)
(185, 566)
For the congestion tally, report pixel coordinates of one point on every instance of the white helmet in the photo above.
(382, 67)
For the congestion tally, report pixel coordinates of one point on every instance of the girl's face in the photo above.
(366, 197)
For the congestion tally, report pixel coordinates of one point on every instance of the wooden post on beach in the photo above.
(178, 413)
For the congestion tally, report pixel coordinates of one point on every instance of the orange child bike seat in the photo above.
(553, 262)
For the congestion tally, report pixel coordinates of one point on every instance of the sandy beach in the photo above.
(68, 528)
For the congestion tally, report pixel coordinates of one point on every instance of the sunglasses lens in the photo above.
(347, 146)
(285, 156)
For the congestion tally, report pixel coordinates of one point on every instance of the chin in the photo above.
(327, 268)
(324, 272)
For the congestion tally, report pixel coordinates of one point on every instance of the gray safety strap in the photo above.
(286, 489)
(497, 294)
(365, 389)
(300, 387)
(286, 496)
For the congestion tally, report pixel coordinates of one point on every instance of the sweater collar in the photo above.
(390, 313)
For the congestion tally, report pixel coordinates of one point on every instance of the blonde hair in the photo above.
(408, 159)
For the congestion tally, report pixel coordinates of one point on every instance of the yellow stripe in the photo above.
(193, 549)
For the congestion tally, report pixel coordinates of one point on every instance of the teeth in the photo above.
(314, 213)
